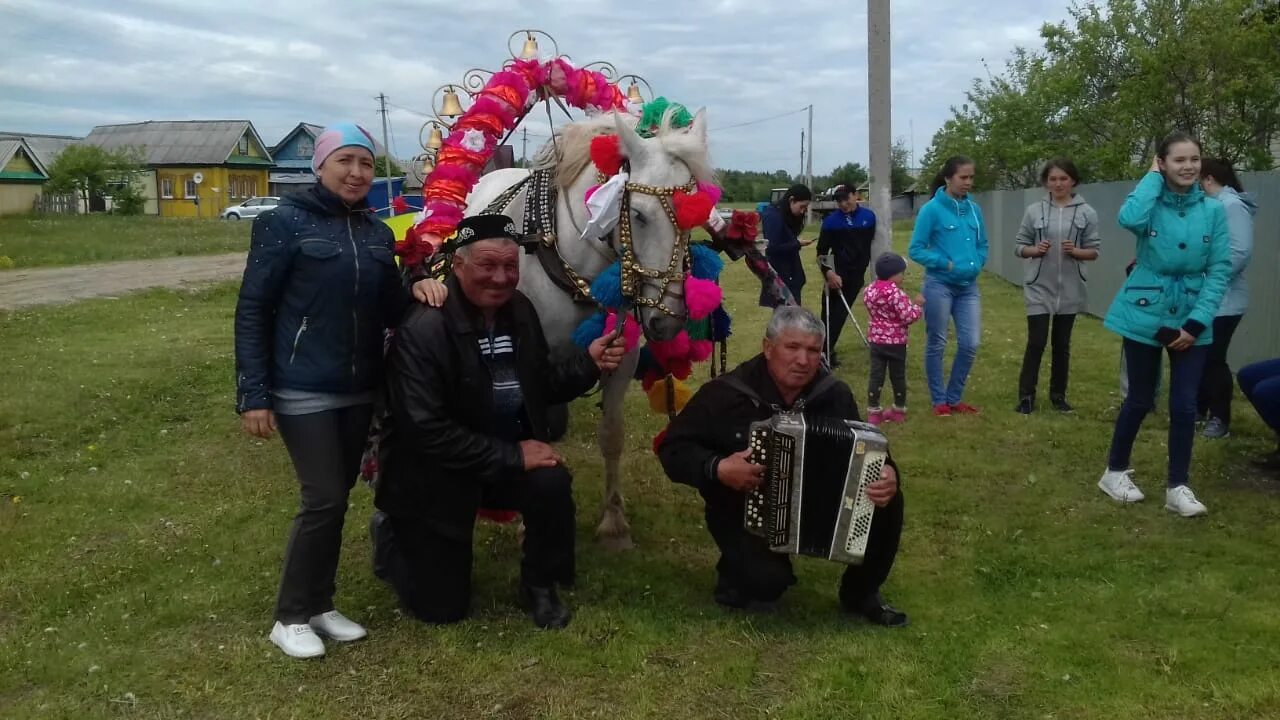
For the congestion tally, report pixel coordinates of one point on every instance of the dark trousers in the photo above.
(893, 357)
(427, 559)
(1038, 336)
(838, 317)
(791, 270)
(326, 449)
(1217, 385)
(1185, 370)
(747, 564)
(1260, 382)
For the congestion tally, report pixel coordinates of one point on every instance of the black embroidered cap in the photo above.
(485, 227)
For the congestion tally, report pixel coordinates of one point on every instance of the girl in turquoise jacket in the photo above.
(1167, 304)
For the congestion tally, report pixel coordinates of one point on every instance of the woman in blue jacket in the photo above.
(1167, 303)
(320, 288)
(1218, 180)
(950, 241)
(781, 223)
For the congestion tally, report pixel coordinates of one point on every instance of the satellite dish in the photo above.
(197, 178)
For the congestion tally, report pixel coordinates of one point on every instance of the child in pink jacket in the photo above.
(891, 313)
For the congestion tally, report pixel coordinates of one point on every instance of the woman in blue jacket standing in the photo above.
(1218, 180)
(950, 241)
(1168, 302)
(781, 223)
(320, 288)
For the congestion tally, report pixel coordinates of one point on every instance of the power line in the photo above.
(761, 120)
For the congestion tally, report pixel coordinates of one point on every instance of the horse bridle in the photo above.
(634, 273)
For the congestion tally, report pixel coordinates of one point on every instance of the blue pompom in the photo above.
(720, 324)
(607, 287)
(706, 263)
(589, 330)
(644, 361)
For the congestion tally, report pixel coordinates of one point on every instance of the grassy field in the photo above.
(142, 537)
(47, 240)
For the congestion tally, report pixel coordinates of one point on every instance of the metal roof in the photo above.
(186, 142)
(45, 148)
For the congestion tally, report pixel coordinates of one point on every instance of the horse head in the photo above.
(654, 249)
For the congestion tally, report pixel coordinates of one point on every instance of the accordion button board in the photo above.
(813, 498)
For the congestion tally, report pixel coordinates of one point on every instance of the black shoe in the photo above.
(877, 612)
(1026, 405)
(1060, 403)
(544, 606)
(730, 596)
(380, 535)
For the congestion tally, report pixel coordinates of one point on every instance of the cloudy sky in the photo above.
(68, 66)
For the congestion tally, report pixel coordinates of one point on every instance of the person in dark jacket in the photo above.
(320, 287)
(706, 447)
(468, 389)
(844, 252)
(781, 223)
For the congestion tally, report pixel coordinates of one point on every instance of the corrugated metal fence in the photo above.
(1258, 337)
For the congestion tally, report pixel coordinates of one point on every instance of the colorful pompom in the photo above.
(651, 376)
(630, 330)
(721, 324)
(680, 368)
(665, 351)
(588, 330)
(658, 439)
(704, 262)
(658, 396)
(700, 350)
(701, 297)
(606, 153)
(692, 209)
(712, 191)
(606, 289)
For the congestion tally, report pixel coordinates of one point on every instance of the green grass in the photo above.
(52, 240)
(140, 564)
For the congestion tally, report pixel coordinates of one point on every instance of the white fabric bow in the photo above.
(603, 207)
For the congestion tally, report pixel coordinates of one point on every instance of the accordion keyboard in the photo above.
(768, 509)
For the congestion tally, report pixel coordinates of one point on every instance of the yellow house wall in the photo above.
(213, 192)
(20, 163)
(17, 197)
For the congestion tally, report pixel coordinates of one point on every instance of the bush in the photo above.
(127, 199)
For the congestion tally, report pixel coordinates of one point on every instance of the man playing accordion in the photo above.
(706, 446)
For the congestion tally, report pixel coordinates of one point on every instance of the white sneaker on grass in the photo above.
(1181, 500)
(335, 625)
(1118, 484)
(297, 641)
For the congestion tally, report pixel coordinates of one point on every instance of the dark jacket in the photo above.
(440, 399)
(848, 237)
(715, 423)
(320, 287)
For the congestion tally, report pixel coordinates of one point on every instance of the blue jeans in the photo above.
(943, 303)
(1185, 370)
(1260, 382)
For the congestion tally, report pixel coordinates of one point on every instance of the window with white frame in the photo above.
(166, 188)
(189, 188)
(243, 146)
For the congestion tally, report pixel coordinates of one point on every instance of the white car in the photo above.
(250, 208)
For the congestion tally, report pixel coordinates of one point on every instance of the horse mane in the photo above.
(569, 150)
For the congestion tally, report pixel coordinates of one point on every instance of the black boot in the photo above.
(383, 544)
(544, 607)
(728, 595)
(878, 612)
(1026, 405)
(1060, 403)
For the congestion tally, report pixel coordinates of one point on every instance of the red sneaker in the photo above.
(942, 410)
(965, 409)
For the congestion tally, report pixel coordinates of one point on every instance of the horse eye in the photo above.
(639, 217)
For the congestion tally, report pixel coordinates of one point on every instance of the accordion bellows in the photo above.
(813, 500)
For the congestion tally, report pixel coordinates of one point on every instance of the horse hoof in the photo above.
(616, 543)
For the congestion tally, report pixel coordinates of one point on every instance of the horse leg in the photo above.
(614, 532)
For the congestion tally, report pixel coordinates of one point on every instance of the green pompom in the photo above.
(651, 118)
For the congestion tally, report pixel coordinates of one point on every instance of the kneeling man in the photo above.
(706, 447)
(468, 386)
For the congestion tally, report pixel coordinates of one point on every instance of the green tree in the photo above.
(89, 170)
(900, 168)
(386, 166)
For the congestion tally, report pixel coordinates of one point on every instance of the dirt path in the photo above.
(52, 286)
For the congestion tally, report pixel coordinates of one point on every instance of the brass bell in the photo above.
(427, 165)
(530, 50)
(435, 140)
(452, 108)
(633, 94)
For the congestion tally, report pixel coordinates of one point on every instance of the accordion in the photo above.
(813, 499)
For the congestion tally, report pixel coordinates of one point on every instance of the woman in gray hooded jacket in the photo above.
(1219, 181)
(1058, 235)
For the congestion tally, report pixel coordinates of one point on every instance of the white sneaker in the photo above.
(334, 624)
(1182, 501)
(1119, 486)
(297, 641)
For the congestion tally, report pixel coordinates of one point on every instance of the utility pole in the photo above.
(524, 147)
(386, 152)
(808, 168)
(880, 126)
(801, 172)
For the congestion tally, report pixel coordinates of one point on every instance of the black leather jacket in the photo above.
(320, 287)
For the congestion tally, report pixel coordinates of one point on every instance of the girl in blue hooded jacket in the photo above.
(950, 241)
(1167, 304)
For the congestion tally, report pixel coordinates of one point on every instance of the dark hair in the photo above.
(797, 192)
(1162, 150)
(842, 193)
(949, 169)
(1062, 164)
(1221, 170)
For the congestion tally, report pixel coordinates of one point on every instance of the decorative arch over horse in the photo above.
(607, 209)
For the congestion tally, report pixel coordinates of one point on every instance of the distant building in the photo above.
(21, 176)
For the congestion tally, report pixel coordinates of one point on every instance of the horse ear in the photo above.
(632, 143)
(699, 127)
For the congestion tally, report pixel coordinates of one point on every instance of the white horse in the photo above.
(672, 159)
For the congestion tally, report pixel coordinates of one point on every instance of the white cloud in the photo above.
(67, 66)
